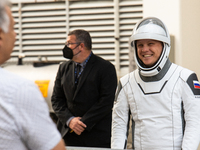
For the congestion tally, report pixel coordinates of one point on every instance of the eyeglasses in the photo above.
(70, 44)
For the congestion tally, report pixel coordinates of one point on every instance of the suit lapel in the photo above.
(69, 81)
(85, 73)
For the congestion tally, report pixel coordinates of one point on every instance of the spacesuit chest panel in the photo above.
(155, 86)
(151, 108)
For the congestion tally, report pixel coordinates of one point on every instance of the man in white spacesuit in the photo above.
(163, 98)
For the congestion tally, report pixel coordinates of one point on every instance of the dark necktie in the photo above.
(78, 69)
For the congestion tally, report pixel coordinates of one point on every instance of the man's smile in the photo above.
(147, 55)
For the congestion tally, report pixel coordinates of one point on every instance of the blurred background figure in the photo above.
(163, 98)
(24, 120)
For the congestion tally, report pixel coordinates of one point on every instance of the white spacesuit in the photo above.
(164, 100)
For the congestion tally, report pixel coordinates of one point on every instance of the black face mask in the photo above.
(68, 52)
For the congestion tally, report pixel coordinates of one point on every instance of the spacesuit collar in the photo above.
(159, 76)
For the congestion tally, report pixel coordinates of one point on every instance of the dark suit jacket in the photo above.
(92, 100)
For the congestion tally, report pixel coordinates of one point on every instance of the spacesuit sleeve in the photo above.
(120, 119)
(191, 105)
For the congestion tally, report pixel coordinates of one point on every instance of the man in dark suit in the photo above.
(84, 93)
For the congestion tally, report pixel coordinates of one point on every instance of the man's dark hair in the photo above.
(83, 37)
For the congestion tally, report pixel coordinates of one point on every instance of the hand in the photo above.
(77, 126)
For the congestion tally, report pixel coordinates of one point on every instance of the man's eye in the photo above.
(68, 44)
(150, 43)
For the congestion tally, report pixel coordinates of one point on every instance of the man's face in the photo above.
(149, 51)
(7, 40)
(73, 44)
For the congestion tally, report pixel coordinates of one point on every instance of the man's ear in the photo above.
(82, 45)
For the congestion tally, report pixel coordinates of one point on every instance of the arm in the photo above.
(103, 105)
(59, 104)
(120, 120)
(58, 98)
(191, 103)
(60, 146)
(36, 128)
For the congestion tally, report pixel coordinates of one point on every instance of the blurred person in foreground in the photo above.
(24, 120)
(163, 98)
(84, 93)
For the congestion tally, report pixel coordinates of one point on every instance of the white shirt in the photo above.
(24, 116)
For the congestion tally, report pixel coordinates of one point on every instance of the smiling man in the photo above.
(149, 51)
(163, 98)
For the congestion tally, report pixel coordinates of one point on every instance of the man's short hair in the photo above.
(4, 18)
(83, 37)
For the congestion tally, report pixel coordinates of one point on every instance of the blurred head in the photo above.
(7, 33)
(151, 43)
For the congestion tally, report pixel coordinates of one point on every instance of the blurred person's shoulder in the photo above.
(11, 81)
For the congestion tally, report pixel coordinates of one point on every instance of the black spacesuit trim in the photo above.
(125, 143)
(193, 77)
(182, 117)
(133, 133)
(127, 131)
(153, 92)
(160, 75)
(119, 87)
